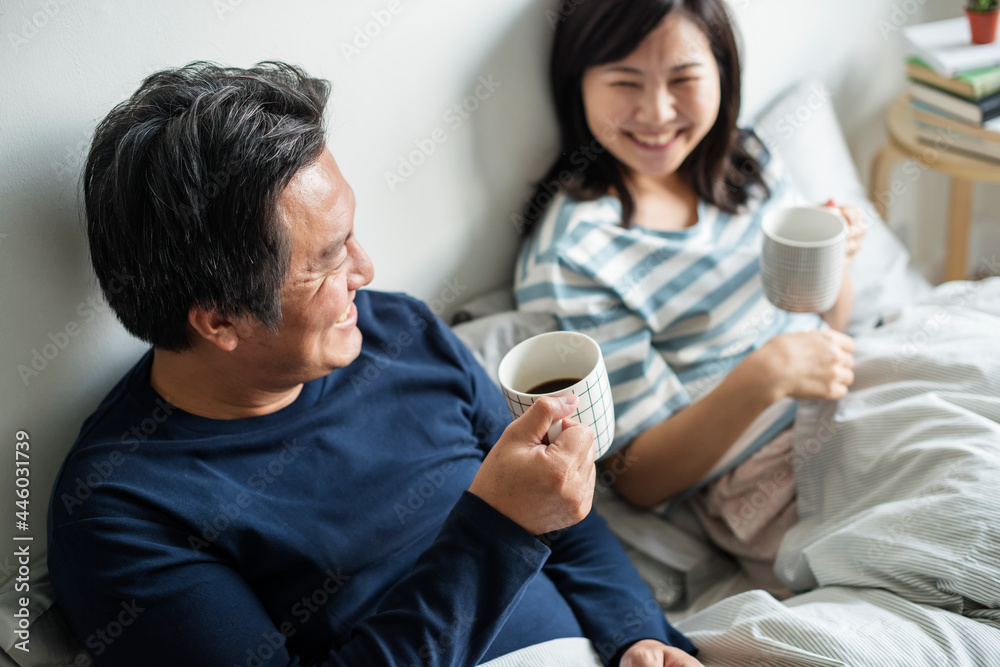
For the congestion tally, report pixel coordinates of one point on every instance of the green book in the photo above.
(973, 84)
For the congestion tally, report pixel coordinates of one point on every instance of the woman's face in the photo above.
(651, 108)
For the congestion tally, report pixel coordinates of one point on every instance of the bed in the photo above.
(896, 555)
(871, 521)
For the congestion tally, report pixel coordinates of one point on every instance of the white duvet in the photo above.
(899, 503)
(897, 550)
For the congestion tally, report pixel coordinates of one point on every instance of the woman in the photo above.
(651, 246)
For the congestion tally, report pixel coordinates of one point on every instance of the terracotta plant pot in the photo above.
(984, 25)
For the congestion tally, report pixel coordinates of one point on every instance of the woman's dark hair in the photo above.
(181, 188)
(597, 32)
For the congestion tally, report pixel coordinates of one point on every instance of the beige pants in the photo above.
(748, 511)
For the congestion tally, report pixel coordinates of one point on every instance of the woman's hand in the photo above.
(839, 316)
(856, 228)
(651, 653)
(807, 364)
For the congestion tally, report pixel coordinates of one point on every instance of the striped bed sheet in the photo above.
(899, 482)
(838, 627)
(828, 627)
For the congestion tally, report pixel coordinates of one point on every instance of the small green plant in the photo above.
(983, 5)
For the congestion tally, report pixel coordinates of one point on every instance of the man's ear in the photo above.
(220, 331)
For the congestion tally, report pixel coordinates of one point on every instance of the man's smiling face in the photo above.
(318, 331)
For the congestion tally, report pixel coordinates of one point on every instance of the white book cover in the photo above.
(947, 46)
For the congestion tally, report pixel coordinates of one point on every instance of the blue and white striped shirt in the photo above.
(673, 311)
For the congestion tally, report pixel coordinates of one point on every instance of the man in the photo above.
(261, 501)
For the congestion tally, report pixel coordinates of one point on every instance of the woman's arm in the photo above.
(669, 457)
(674, 454)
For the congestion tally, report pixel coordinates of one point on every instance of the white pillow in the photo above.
(491, 336)
(801, 128)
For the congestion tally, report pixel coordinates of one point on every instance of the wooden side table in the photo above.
(964, 172)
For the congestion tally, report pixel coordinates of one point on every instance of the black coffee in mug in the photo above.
(549, 386)
(547, 357)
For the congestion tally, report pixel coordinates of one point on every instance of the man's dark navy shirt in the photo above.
(335, 531)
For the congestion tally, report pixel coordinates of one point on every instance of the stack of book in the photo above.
(954, 89)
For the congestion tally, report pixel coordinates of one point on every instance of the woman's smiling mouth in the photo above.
(654, 141)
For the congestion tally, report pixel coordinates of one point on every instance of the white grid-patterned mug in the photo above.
(557, 355)
(802, 258)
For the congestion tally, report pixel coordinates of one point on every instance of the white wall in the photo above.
(442, 234)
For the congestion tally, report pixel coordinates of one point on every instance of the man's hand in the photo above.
(540, 487)
(651, 653)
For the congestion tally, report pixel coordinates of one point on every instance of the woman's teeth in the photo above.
(654, 139)
(347, 311)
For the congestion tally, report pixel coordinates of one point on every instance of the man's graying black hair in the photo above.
(181, 188)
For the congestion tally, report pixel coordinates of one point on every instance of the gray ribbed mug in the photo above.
(802, 258)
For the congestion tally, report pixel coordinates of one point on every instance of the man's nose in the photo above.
(362, 271)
